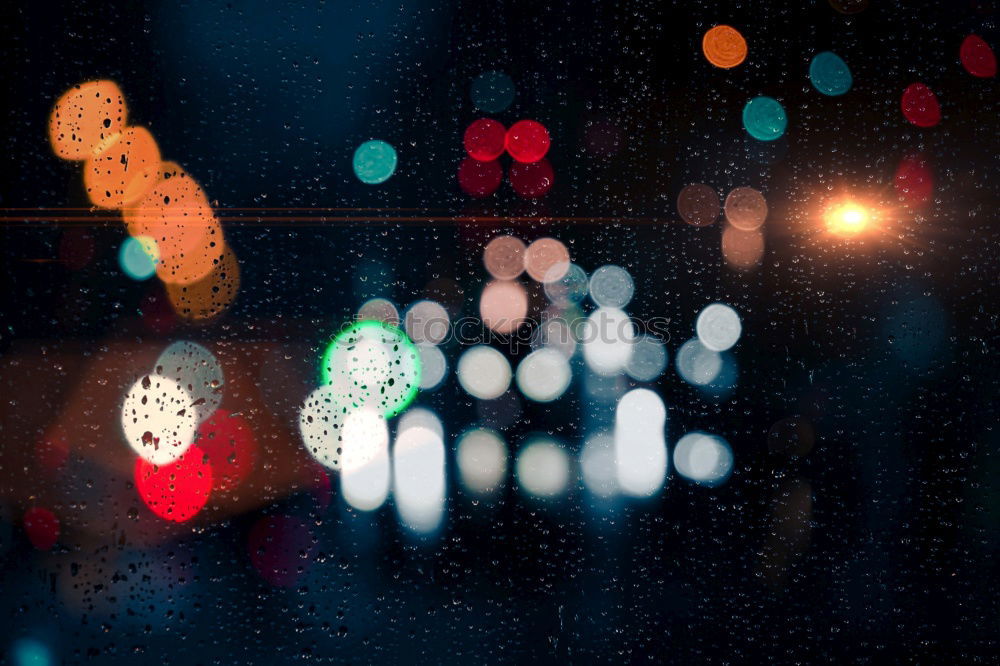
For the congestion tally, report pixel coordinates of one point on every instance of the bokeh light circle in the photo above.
(611, 286)
(697, 364)
(178, 490)
(724, 46)
(372, 364)
(546, 260)
(482, 460)
(427, 322)
(527, 141)
(746, 208)
(718, 327)
(492, 92)
(503, 305)
(85, 118)
(570, 289)
(483, 372)
(764, 118)
(544, 375)
(484, 139)
(920, 105)
(321, 423)
(703, 458)
(698, 205)
(122, 173)
(433, 366)
(531, 181)
(648, 360)
(977, 57)
(138, 256)
(159, 419)
(374, 162)
(504, 257)
(543, 468)
(829, 74)
(196, 369)
(479, 179)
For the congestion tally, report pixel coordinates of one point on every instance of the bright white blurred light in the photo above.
(718, 327)
(364, 478)
(482, 460)
(611, 287)
(703, 458)
(483, 372)
(433, 366)
(419, 477)
(543, 468)
(597, 464)
(607, 336)
(321, 425)
(427, 321)
(640, 444)
(697, 364)
(196, 369)
(158, 419)
(649, 358)
(420, 417)
(544, 375)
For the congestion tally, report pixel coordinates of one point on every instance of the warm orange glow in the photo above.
(847, 218)
(85, 117)
(123, 170)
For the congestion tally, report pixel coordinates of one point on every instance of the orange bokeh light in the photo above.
(123, 170)
(85, 118)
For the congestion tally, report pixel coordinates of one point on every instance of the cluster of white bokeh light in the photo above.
(373, 372)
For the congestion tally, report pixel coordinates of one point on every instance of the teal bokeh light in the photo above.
(829, 74)
(374, 162)
(764, 118)
(137, 257)
(30, 652)
(492, 92)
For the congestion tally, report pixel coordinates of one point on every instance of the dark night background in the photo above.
(877, 545)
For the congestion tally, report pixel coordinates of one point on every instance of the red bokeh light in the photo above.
(532, 180)
(177, 491)
(977, 57)
(281, 548)
(914, 181)
(484, 140)
(42, 527)
(920, 105)
(479, 179)
(527, 141)
(229, 444)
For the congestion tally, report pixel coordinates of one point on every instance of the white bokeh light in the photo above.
(158, 419)
(703, 458)
(607, 337)
(418, 475)
(483, 372)
(364, 477)
(482, 460)
(697, 364)
(542, 468)
(718, 327)
(544, 375)
(640, 444)
(597, 465)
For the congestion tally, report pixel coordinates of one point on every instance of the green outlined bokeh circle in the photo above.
(371, 364)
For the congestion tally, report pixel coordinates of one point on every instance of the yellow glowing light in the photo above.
(847, 218)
